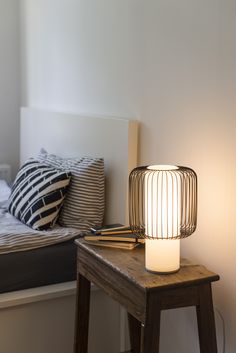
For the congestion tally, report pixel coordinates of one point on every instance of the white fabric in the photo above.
(16, 236)
(84, 203)
(4, 192)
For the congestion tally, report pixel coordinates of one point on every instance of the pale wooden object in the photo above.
(122, 275)
(73, 135)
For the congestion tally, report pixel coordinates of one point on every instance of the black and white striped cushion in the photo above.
(84, 203)
(37, 194)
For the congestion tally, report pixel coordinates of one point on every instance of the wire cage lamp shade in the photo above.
(162, 209)
(163, 201)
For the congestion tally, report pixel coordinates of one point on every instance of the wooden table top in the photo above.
(131, 264)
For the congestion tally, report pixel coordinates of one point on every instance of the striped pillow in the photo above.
(37, 194)
(85, 200)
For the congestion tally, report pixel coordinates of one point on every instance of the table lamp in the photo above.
(162, 209)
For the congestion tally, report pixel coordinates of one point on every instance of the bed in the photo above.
(37, 310)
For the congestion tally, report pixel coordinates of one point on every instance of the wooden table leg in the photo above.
(150, 333)
(82, 315)
(134, 333)
(206, 320)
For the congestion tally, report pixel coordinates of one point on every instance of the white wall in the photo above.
(47, 325)
(172, 65)
(9, 83)
(80, 55)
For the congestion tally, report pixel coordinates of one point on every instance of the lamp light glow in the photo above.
(163, 209)
(162, 255)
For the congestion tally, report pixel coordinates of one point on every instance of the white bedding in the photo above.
(16, 236)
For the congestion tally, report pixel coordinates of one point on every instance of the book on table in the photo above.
(113, 235)
(130, 238)
(112, 244)
(110, 229)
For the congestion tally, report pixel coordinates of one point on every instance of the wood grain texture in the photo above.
(82, 315)
(132, 266)
(113, 283)
(135, 333)
(206, 320)
(122, 275)
(150, 336)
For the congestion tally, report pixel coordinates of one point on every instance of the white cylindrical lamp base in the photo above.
(162, 255)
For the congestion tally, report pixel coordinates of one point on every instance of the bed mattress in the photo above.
(38, 267)
(31, 258)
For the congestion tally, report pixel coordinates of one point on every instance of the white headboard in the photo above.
(71, 135)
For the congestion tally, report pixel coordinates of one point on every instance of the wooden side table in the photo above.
(122, 275)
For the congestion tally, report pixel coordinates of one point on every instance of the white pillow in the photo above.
(84, 204)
